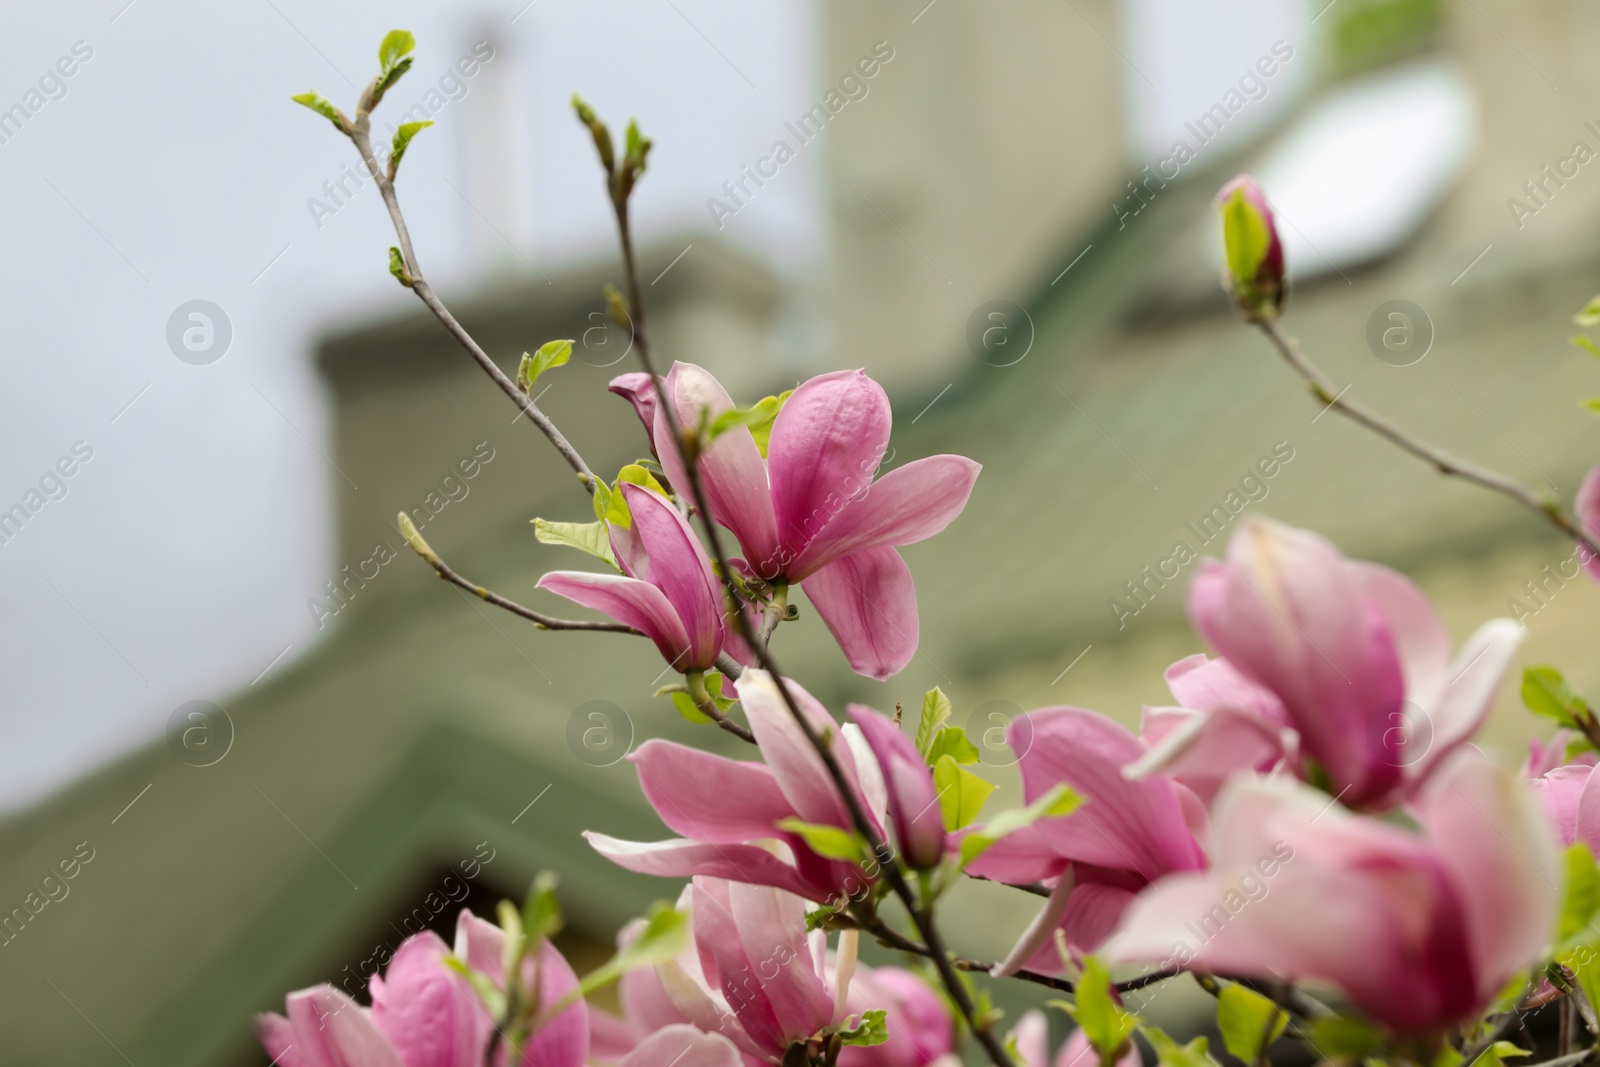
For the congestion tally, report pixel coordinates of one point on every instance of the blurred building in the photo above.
(1007, 162)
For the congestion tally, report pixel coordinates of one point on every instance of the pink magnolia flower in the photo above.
(728, 810)
(1033, 1046)
(667, 588)
(423, 1013)
(754, 974)
(1125, 835)
(811, 512)
(1570, 796)
(908, 784)
(1419, 929)
(1355, 654)
(1587, 506)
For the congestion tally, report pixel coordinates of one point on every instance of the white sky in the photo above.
(175, 168)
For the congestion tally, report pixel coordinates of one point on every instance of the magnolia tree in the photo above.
(1423, 896)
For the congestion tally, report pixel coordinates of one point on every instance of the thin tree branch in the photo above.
(539, 618)
(359, 134)
(1329, 393)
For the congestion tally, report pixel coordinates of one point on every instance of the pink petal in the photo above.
(430, 1013)
(730, 968)
(1587, 507)
(1077, 1052)
(1419, 635)
(1586, 819)
(799, 770)
(690, 789)
(1025, 856)
(482, 944)
(610, 1036)
(912, 800)
(1204, 750)
(919, 1024)
(564, 1040)
(331, 1030)
(1463, 702)
(1204, 684)
(1559, 791)
(772, 929)
(680, 569)
(826, 445)
(732, 471)
(1093, 910)
(1136, 826)
(637, 389)
(1032, 1036)
(1493, 836)
(683, 1046)
(685, 859)
(277, 1037)
(869, 604)
(1287, 610)
(911, 503)
(1041, 929)
(631, 602)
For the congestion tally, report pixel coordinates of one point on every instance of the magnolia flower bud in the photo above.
(1253, 275)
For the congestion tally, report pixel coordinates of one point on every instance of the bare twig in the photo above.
(359, 134)
(1329, 393)
(543, 621)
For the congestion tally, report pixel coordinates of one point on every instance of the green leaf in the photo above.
(1104, 1022)
(321, 106)
(550, 354)
(872, 1030)
(1580, 341)
(1249, 1022)
(396, 45)
(402, 139)
(935, 712)
(731, 418)
(952, 741)
(1592, 403)
(397, 267)
(1060, 800)
(1245, 235)
(601, 499)
(1547, 694)
(1582, 897)
(665, 933)
(961, 793)
(541, 913)
(590, 537)
(688, 708)
(830, 842)
(1343, 1037)
(1590, 315)
(634, 474)
(1501, 1051)
(1171, 1054)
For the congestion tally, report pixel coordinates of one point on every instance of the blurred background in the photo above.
(285, 744)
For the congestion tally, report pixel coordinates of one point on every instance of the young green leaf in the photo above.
(665, 933)
(1060, 800)
(402, 140)
(541, 913)
(590, 537)
(1104, 1022)
(872, 1030)
(635, 474)
(952, 741)
(1171, 1054)
(830, 842)
(935, 712)
(1592, 403)
(1343, 1037)
(551, 354)
(1582, 898)
(395, 46)
(321, 106)
(1580, 341)
(961, 793)
(688, 708)
(1547, 694)
(1590, 315)
(734, 417)
(397, 267)
(1249, 1022)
